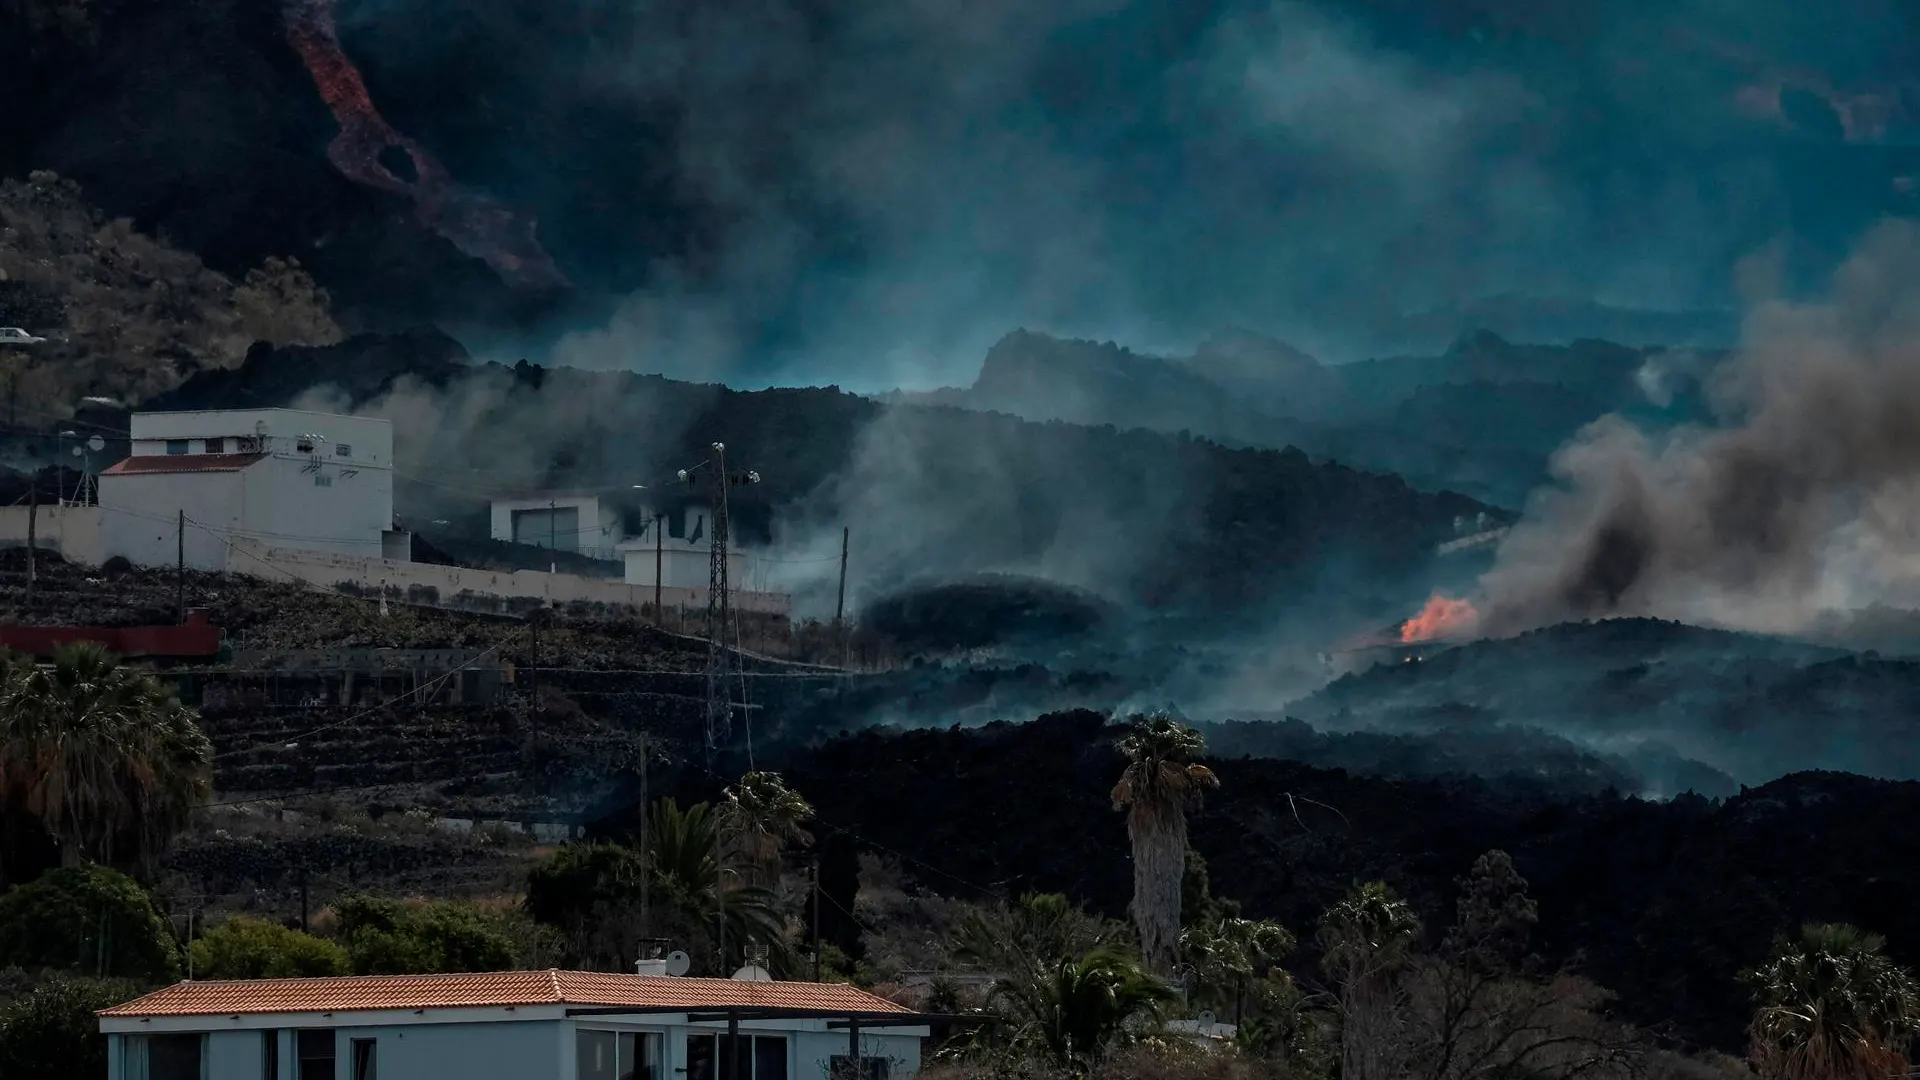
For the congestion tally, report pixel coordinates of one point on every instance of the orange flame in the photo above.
(477, 225)
(1443, 617)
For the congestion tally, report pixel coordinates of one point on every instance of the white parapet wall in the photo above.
(73, 531)
(457, 586)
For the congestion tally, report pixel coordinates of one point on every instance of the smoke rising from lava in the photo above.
(476, 224)
(1805, 499)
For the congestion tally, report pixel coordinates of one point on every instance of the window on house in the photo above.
(176, 446)
(343, 450)
(746, 1057)
(617, 1055)
(364, 1059)
(305, 446)
(216, 446)
(270, 1054)
(840, 1067)
(316, 1054)
(322, 480)
(166, 1057)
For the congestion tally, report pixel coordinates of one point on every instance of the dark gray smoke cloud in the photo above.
(1806, 500)
(871, 194)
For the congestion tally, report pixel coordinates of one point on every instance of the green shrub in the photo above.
(89, 920)
(51, 1032)
(242, 948)
(395, 937)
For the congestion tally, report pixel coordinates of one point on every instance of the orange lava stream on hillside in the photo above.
(1443, 617)
(477, 225)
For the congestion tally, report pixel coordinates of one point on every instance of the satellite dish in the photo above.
(1206, 1018)
(96, 443)
(77, 451)
(678, 963)
(753, 973)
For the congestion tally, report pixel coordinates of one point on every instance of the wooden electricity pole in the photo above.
(659, 548)
(33, 511)
(840, 605)
(180, 578)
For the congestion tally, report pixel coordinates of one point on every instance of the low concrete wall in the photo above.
(461, 587)
(73, 531)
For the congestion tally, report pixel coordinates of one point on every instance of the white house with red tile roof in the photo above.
(511, 1025)
(282, 477)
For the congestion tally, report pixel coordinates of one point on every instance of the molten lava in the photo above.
(480, 227)
(1443, 617)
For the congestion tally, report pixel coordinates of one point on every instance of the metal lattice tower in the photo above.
(720, 659)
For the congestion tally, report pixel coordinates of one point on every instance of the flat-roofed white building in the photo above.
(196, 481)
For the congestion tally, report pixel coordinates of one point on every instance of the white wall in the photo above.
(142, 515)
(235, 1055)
(73, 531)
(326, 570)
(338, 508)
(516, 1050)
(680, 567)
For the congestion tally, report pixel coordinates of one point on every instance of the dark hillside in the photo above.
(1134, 515)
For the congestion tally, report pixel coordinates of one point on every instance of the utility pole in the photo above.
(840, 605)
(180, 570)
(33, 511)
(659, 549)
(719, 590)
(816, 918)
(646, 853)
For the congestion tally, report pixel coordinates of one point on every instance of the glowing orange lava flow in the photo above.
(1443, 617)
(480, 227)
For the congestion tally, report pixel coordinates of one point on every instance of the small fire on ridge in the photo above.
(1443, 617)
(476, 224)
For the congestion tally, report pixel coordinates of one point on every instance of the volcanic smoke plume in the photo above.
(1805, 498)
(480, 227)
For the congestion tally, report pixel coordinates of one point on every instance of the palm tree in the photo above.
(1037, 933)
(1224, 954)
(686, 875)
(99, 753)
(1080, 1007)
(1367, 940)
(1830, 1006)
(1160, 784)
(760, 817)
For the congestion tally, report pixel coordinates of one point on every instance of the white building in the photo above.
(681, 548)
(196, 481)
(616, 525)
(511, 1025)
(577, 521)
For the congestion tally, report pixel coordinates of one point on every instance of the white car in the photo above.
(13, 335)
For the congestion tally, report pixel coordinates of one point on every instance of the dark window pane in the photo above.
(700, 1054)
(270, 1055)
(174, 1057)
(595, 1055)
(736, 1057)
(176, 446)
(769, 1058)
(316, 1054)
(364, 1063)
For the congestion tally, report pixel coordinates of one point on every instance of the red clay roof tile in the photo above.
(497, 989)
